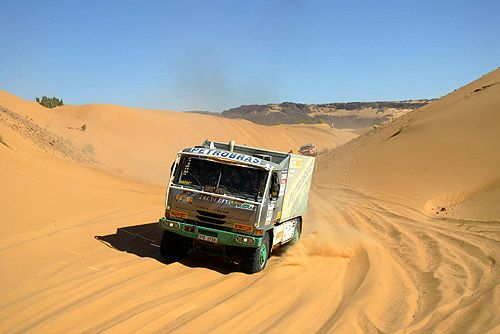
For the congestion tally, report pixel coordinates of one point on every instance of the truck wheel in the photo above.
(296, 232)
(173, 246)
(255, 259)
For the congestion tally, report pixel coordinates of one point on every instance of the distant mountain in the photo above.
(352, 115)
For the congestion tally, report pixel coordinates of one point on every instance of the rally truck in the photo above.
(238, 201)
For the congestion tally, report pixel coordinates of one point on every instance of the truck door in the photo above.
(273, 213)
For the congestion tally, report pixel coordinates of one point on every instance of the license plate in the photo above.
(207, 238)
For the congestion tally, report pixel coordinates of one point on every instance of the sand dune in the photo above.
(79, 247)
(141, 144)
(442, 156)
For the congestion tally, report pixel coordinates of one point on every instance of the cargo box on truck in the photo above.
(237, 200)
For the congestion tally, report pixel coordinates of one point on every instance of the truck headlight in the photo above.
(172, 225)
(245, 240)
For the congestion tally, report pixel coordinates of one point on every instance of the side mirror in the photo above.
(275, 189)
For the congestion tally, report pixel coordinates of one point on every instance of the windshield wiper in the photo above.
(237, 193)
(199, 185)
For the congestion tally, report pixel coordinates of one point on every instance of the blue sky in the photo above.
(213, 55)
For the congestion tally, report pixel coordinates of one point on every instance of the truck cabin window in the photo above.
(221, 178)
(275, 186)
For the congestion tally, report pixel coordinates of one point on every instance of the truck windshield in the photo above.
(212, 176)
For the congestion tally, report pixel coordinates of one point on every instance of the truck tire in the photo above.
(255, 259)
(173, 247)
(296, 232)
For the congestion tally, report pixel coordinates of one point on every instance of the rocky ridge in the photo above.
(354, 115)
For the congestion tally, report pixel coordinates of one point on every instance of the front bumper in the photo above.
(222, 237)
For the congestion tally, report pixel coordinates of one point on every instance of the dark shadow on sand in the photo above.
(144, 241)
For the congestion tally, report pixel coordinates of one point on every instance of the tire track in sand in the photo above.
(363, 264)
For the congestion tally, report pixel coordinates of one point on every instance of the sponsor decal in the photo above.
(214, 199)
(212, 208)
(298, 186)
(243, 227)
(226, 155)
(230, 202)
(269, 214)
(179, 214)
(284, 175)
(288, 229)
(278, 216)
(246, 206)
(296, 163)
(279, 236)
(183, 198)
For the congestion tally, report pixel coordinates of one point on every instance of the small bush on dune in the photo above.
(49, 102)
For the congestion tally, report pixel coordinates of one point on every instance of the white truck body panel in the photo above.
(298, 183)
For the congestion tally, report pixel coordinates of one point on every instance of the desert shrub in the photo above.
(49, 102)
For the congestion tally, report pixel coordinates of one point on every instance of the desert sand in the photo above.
(402, 233)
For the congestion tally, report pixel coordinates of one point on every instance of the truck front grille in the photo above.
(210, 220)
(211, 214)
(202, 224)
